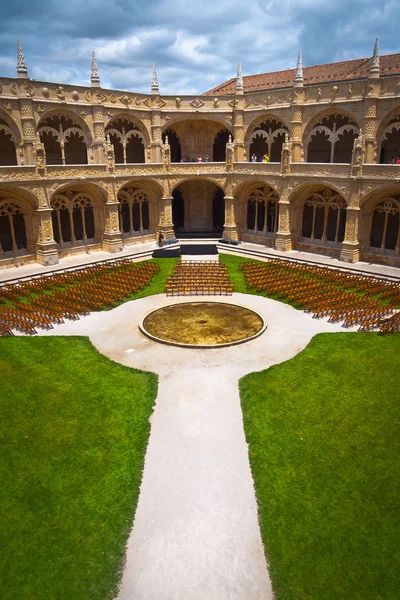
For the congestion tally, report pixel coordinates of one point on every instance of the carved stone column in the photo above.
(46, 247)
(99, 135)
(283, 239)
(230, 227)
(156, 137)
(296, 127)
(350, 251)
(369, 125)
(28, 125)
(165, 224)
(112, 239)
(238, 129)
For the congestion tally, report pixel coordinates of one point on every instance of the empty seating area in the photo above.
(39, 303)
(354, 300)
(199, 278)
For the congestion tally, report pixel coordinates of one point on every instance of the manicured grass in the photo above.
(323, 434)
(73, 431)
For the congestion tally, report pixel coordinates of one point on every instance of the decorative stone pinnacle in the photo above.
(166, 140)
(94, 77)
(155, 89)
(22, 71)
(375, 67)
(239, 79)
(298, 78)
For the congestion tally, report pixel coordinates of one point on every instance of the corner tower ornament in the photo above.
(298, 78)
(375, 66)
(239, 80)
(155, 89)
(22, 71)
(94, 77)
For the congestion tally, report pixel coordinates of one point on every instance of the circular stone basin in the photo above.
(202, 324)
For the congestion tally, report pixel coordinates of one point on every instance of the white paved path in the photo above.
(196, 533)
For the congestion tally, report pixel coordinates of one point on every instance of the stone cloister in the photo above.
(86, 168)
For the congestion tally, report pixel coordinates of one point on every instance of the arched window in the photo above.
(12, 228)
(390, 142)
(73, 218)
(262, 211)
(219, 146)
(133, 211)
(268, 138)
(178, 209)
(324, 217)
(218, 209)
(385, 229)
(175, 145)
(8, 155)
(128, 141)
(64, 141)
(332, 140)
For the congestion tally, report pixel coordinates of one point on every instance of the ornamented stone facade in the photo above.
(70, 157)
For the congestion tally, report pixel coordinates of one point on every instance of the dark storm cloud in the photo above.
(196, 45)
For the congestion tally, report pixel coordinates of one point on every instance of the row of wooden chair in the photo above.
(340, 296)
(44, 301)
(199, 278)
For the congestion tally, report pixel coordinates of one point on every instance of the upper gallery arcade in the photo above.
(89, 168)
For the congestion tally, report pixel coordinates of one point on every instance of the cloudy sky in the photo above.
(195, 44)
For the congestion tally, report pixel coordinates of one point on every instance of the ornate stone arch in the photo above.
(132, 118)
(333, 133)
(319, 214)
(18, 226)
(256, 123)
(12, 125)
(388, 126)
(71, 114)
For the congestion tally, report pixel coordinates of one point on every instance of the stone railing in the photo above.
(270, 168)
(387, 171)
(322, 169)
(18, 173)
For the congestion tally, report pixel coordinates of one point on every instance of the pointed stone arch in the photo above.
(65, 136)
(265, 135)
(329, 136)
(129, 138)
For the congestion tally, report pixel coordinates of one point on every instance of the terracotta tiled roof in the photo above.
(340, 71)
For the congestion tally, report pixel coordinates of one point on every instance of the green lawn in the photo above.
(73, 431)
(323, 435)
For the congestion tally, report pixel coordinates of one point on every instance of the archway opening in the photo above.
(218, 210)
(324, 217)
(390, 142)
(64, 141)
(331, 140)
(134, 215)
(385, 227)
(175, 145)
(127, 139)
(13, 237)
(8, 154)
(262, 212)
(198, 206)
(219, 146)
(267, 138)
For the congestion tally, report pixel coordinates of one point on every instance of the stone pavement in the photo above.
(196, 534)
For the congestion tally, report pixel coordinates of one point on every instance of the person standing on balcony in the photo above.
(254, 158)
(265, 158)
(206, 158)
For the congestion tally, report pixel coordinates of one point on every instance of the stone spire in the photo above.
(94, 77)
(239, 89)
(374, 69)
(22, 71)
(298, 78)
(155, 89)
